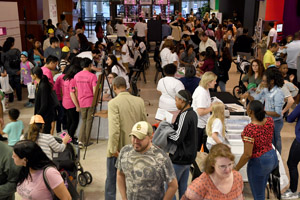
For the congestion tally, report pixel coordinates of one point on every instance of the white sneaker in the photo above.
(80, 145)
(288, 194)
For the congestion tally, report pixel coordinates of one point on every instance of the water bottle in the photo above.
(238, 58)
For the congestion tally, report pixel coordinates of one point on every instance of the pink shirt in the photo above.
(58, 86)
(47, 72)
(84, 83)
(68, 87)
(36, 189)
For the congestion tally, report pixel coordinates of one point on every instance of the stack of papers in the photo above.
(233, 107)
(162, 114)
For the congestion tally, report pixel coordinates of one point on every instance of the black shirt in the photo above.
(186, 125)
(244, 44)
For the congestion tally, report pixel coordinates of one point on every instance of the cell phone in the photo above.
(63, 134)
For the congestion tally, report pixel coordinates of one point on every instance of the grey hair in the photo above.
(119, 82)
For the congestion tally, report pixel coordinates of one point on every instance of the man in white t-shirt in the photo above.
(272, 36)
(126, 57)
(121, 29)
(207, 42)
(293, 56)
(141, 29)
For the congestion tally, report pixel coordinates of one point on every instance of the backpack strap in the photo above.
(46, 181)
(28, 65)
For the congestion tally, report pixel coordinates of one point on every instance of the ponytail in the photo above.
(258, 108)
(33, 132)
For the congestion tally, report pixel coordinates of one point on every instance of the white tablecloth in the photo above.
(113, 38)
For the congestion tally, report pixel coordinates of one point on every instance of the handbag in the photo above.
(31, 90)
(6, 88)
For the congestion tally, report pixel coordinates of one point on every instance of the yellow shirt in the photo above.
(269, 58)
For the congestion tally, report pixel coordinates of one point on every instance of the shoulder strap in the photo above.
(47, 183)
(166, 89)
(28, 65)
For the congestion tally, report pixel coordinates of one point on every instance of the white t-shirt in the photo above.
(165, 56)
(272, 33)
(208, 43)
(121, 28)
(140, 27)
(201, 99)
(142, 47)
(217, 127)
(126, 57)
(122, 73)
(168, 86)
(293, 54)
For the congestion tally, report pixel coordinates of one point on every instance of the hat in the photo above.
(141, 130)
(37, 119)
(50, 31)
(65, 49)
(170, 37)
(24, 53)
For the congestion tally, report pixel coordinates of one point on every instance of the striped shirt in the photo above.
(48, 144)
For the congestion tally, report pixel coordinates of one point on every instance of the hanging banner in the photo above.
(145, 2)
(161, 2)
(129, 2)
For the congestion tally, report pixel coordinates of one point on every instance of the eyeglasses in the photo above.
(109, 77)
(224, 167)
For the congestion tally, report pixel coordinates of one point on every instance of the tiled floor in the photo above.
(95, 161)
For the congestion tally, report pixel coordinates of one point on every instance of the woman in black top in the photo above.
(185, 139)
(11, 62)
(225, 64)
(43, 98)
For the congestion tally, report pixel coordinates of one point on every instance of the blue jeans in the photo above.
(182, 175)
(258, 171)
(111, 179)
(222, 86)
(278, 124)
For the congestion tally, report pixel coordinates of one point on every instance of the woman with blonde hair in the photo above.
(219, 181)
(215, 127)
(202, 105)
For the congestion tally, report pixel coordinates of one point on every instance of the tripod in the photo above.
(99, 91)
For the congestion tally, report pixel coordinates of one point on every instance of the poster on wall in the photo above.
(160, 2)
(129, 2)
(53, 11)
(145, 2)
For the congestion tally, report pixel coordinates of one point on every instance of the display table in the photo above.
(114, 38)
(227, 98)
(234, 127)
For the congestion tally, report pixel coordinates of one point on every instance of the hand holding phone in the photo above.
(66, 137)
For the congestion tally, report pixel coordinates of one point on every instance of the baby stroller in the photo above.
(242, 67)
(68, 164)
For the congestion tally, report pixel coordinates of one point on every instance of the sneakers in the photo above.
(288, 194)
(80, 145)
(3, 138)
(29, 105)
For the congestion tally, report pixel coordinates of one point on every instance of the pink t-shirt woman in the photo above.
(36, 189)
(68, 87)
(84, 83)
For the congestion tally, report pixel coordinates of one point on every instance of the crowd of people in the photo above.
(195, 56)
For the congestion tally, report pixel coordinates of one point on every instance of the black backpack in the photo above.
(14, 61)
(218, 70)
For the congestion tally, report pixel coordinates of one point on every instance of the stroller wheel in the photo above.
(82, 180)
(237, 92)
(88, 177)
